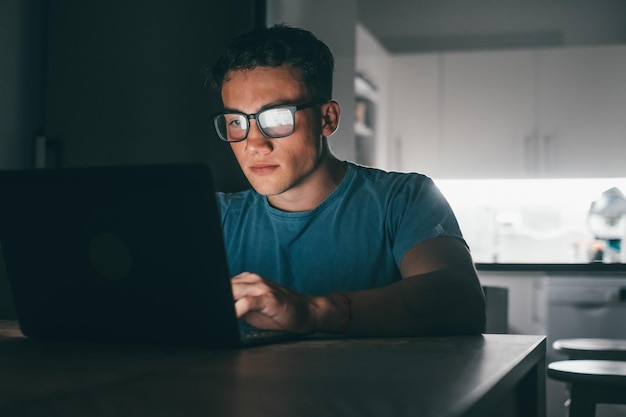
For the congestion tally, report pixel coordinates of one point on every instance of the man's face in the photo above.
(275, 166)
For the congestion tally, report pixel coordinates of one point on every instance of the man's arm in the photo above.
(440, 294)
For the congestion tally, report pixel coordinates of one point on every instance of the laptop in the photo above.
(120, 254)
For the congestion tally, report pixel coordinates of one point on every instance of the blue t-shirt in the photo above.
(355, 239)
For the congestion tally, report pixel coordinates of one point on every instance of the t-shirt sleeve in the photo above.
(418, 212)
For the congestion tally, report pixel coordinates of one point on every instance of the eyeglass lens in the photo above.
(273, 123)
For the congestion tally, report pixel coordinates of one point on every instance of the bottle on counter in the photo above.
(607, 221)
(622, 256)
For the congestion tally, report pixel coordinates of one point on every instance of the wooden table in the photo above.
(486, 375)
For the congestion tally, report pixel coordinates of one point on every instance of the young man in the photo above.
(320, 244)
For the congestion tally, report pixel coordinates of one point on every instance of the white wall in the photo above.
(334, 23)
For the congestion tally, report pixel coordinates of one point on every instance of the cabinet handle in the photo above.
(527, 153)
(546, 151)
(531, 153)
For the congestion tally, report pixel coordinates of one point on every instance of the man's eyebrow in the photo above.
(266, 106)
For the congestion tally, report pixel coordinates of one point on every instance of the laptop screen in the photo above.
(117, 254)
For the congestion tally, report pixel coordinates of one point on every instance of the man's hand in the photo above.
(267, 305)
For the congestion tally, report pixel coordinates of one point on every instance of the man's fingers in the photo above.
(244, 285)
(250, 309)
(252, 303)
(242, 306)
(267, 305)
(247, 277)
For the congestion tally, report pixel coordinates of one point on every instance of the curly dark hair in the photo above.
(275, 46)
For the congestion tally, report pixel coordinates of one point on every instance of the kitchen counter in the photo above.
(588, 267)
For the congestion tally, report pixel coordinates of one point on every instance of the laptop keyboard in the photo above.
(250, 334)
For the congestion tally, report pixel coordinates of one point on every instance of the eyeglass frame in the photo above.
(254, 116)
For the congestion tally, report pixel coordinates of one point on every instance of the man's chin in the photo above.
(265, 189)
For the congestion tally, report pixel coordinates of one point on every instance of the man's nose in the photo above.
(256, 140)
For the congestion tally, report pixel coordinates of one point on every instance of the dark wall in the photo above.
(112, 82)
(125, 81)
(22, 51)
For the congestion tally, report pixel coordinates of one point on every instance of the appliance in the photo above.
(607, 222)
(583, 306)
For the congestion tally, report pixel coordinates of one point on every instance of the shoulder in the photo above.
(377, 174)
(234, 203)
(402, 195)
(390, 183)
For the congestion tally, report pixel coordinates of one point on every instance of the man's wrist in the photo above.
(333, 313)
(347, 310)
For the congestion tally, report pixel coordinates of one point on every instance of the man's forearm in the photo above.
(439, 302)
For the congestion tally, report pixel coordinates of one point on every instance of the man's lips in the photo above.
(263, 168)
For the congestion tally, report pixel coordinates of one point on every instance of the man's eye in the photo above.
(235, 121)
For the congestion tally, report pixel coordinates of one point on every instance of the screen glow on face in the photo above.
(276, 122)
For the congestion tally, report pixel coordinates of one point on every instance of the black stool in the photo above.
(591, 382)
(604, 349)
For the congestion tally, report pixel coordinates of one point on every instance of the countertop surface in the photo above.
(545, 267)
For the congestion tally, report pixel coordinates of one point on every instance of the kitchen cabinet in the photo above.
(527, 306)
(582, 111)
(542, 113)
(487, 118)
(414, 113)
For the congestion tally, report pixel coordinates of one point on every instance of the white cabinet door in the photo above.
(511, 114)
(526, 301)
(413, 113)
(488, 121)
(582, 108)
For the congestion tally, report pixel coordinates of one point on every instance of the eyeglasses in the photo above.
(276, 122)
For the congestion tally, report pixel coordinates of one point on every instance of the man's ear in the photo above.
(331, 112)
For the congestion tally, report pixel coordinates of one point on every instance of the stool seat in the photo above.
(589, 372)
(591, 382)
(589, 348)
